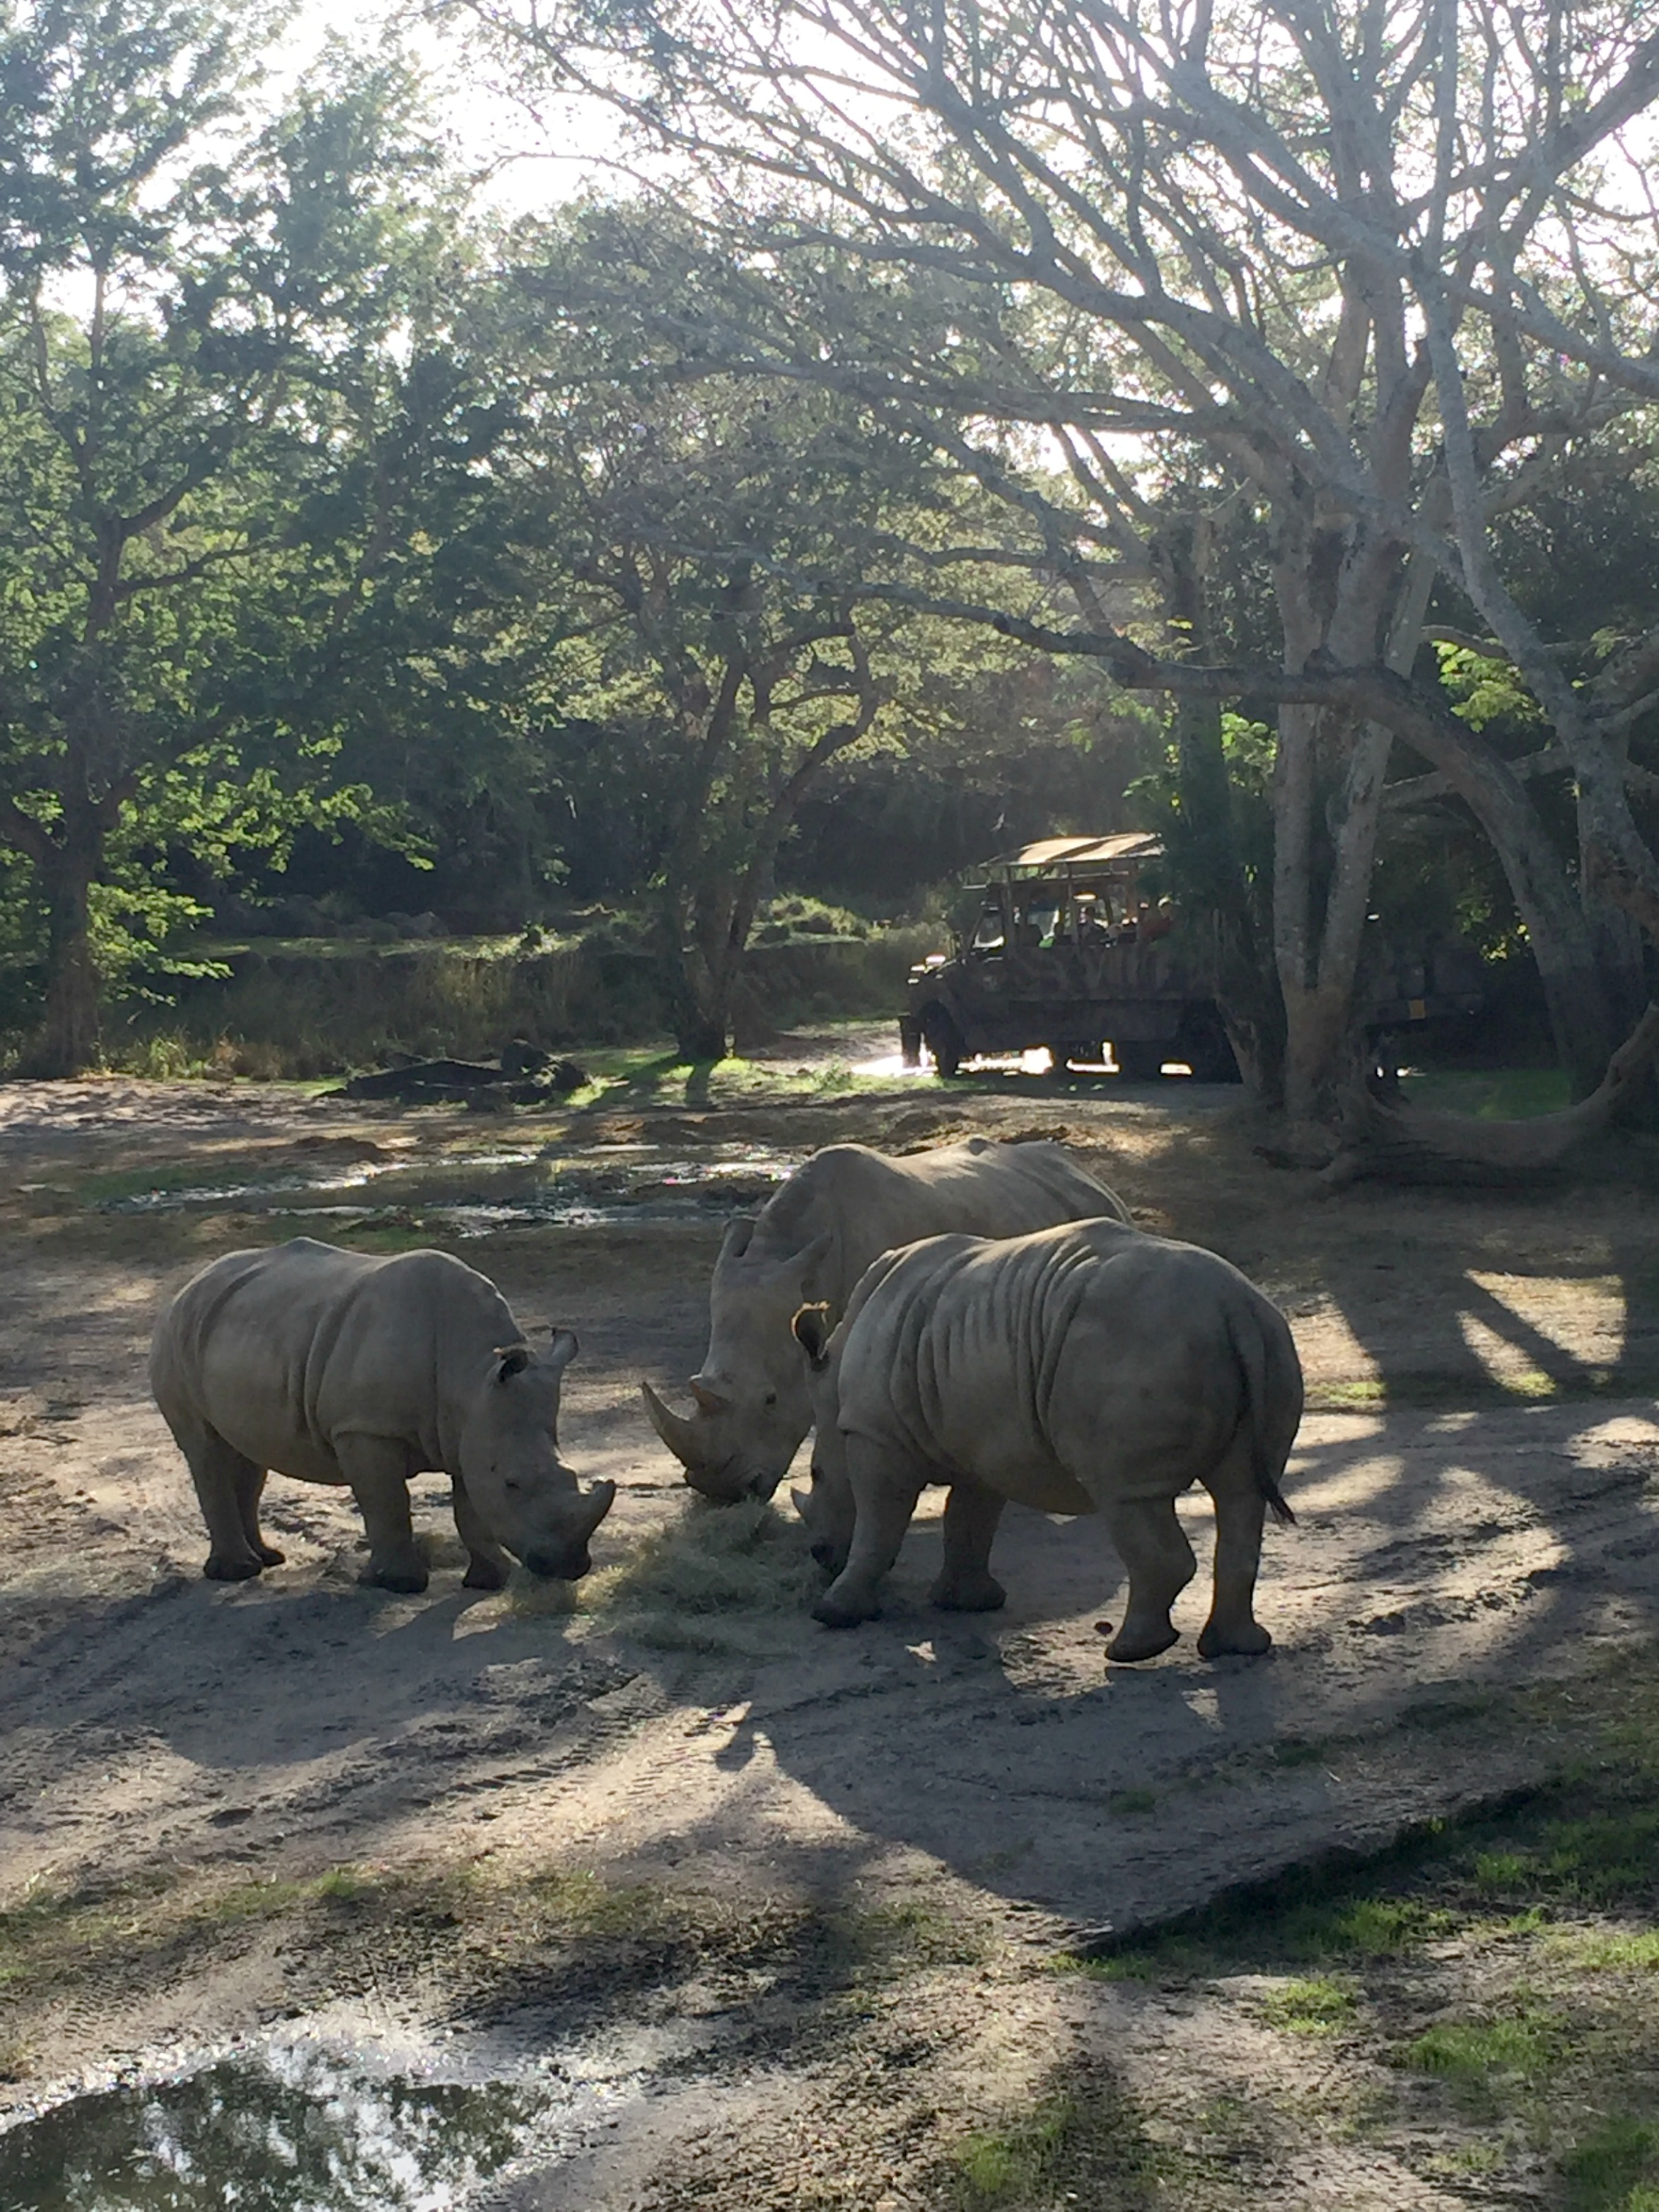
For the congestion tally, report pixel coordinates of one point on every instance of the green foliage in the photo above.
(1213, 827)
(701, 560)
(200, 302)
(1486, 691)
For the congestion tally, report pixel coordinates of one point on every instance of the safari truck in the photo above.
(1061, 946)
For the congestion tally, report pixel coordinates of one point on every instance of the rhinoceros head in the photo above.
(828, 1508)
(749, 1400)
(526, 1497)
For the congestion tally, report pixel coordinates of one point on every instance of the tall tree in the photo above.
(1374, 259)
(705, 548)
(187, 284)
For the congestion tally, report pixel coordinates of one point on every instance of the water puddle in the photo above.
(290, 2127)
(488, 1191)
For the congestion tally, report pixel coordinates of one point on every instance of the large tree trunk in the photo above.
(68, 1043)
(1252, 1009)
(1586, 1021)
(1323, 855)
(1398, 1143)
(701, 1024)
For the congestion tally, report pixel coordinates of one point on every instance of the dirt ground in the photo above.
(791, 1903)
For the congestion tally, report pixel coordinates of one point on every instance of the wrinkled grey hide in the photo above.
(813, 1240)
(1086, 1369)
(337, 1368)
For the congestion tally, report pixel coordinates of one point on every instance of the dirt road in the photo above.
(1478, 1513)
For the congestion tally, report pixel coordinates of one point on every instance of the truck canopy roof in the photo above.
(1051, 854)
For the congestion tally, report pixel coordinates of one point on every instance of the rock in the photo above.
(415, 927)
(521, 1057)
(298, 916)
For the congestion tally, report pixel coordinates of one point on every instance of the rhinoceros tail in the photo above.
(1273, 1396)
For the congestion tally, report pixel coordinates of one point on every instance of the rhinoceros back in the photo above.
(868, 1203)
(278, 1351)
(1005, 1358)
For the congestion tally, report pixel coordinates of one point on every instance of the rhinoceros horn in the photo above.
(601, 1495)
(681, 1435)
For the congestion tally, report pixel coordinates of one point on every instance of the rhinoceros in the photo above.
(339, 1368)
(812, 1242)
(1086, 1369)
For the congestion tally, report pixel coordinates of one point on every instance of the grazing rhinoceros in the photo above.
(811, 1241)
(1085, 1368)
(342, 1368)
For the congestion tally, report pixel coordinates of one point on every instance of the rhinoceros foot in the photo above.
(845, 1613)
(233, 1566)
(1141, 1644)
(1248, 1643)
(968, 1593)
(485, 1574)
(269, 1555)
(408, 1582)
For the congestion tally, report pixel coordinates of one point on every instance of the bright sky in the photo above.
(537, 167)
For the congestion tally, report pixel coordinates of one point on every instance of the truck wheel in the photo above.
(944, 1040)
(1140, 1061)
(1203, 1045)
(1064, 1054)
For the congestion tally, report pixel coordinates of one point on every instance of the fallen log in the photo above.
(423, 1075)
(1393, 1142)
(445, 1082)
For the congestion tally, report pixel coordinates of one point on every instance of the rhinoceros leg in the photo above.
(884, 1494)
(250, 1488)
(378, 1471)
(1150, 1544)
(967, 1584)
(487, 1566)
(1239, 1508)
(223, 1478)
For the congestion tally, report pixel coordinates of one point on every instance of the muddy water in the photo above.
(491, 1190)
(291, 2126)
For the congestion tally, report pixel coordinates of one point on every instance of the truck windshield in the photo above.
(988, 938)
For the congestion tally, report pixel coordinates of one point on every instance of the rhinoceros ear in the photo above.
(810, 1257)
(562, 1349)
(511, 1359)
(735, 1242)
(811, 1328)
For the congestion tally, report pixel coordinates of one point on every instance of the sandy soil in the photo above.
(1478, 1512)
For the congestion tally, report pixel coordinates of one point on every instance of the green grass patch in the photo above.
(1311, 2008)
(1600, 1858)
(1116, 1966)
(1527, 1386)
(1473, 2050)
(1001, 2168)
(51, 1937)
(1489, 1975)
(1081, 2139)
(1613, 1952)
(879, 1942)
(1614, 2167)
(1498, 1094)
(578, 1903)
(653, 1077)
